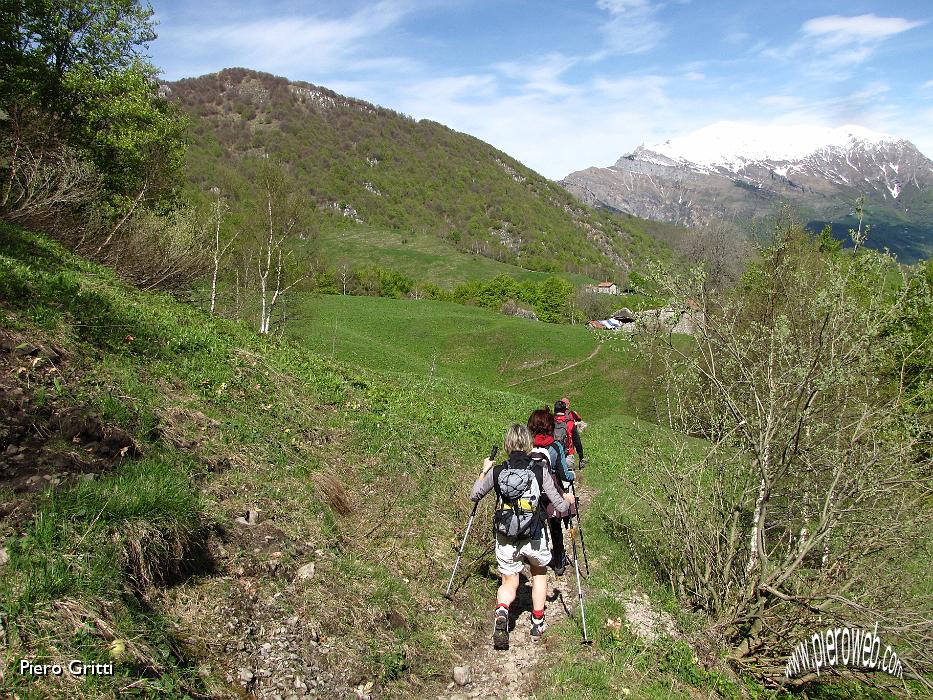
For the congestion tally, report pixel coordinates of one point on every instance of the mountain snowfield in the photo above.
(732, 145)
(740, 170)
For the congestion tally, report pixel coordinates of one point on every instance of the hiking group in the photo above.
(535, 500)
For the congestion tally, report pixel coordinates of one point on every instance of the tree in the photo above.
(42, 41)
(282, 218)
(809, 497)
(553, 302)
(74, 82)
(217, 214)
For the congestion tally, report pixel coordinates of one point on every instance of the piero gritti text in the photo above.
(74, 667)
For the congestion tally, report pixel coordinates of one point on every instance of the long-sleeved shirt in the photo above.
(484, 485)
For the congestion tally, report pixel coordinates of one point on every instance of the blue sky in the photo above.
(565, 85)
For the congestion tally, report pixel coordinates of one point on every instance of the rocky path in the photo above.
(483, 672)
(487, 673)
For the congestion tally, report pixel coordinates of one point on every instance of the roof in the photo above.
(606, 284)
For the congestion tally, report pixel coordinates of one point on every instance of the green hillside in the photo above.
(473, 345)
(133, 556)
(417, 255)
(358, 165)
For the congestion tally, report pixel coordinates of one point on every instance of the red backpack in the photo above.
(563, 432)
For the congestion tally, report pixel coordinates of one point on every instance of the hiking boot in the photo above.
(500, 637)
(560, 568)
(537, 627)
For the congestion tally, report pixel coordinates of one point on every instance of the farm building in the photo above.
(603, 288)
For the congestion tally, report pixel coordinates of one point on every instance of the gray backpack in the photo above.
(519, 511)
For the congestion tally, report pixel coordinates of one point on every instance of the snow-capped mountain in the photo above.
(732, 169)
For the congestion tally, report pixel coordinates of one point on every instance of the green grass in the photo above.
(441, 339)
(420, 256)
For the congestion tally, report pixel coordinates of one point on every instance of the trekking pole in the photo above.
(576, 565)
(492, 455)
(586, 561)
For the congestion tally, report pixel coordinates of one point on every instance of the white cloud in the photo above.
(866, 107)
(694, 75)
(839, 30)
(543, 75)
(737, 38)
(633, 26)
(291, 44)
(648, 90)
(836, 43)
(781, 101)
(552, 132)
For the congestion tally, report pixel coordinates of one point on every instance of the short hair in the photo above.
(560, 407)
(517, 438)
(541, 422)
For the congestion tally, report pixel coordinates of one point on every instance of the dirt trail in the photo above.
(562, 369)
(510, 674)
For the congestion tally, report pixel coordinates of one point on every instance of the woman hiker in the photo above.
(519, 526)
(541, 425)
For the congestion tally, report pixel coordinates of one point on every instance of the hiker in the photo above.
(518, 525)
(551, 452)
(577, 420)
(567, 432)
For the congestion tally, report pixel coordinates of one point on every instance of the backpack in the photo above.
(554, 457)
(563, 432)
(519, 512)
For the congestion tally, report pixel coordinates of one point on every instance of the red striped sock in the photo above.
(537, 614)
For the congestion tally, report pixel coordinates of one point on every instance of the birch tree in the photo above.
(219, 251)
(282, 220)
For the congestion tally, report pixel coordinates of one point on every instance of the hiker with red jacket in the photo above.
(567, 426)
(518, 524)
(551, 453)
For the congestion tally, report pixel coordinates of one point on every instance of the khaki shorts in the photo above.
(511, 555)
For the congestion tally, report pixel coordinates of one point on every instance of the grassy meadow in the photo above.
(469, 344)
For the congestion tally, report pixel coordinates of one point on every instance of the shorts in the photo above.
(511, 555)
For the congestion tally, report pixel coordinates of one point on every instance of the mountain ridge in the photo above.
(729, 170)
(363, 165)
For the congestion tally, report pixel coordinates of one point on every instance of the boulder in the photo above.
(463, 675)
(305, 573)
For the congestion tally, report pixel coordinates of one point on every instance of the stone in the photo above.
(4, 556)
(305, 573)
(245, 675)
(252, 517)
(463, 675)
